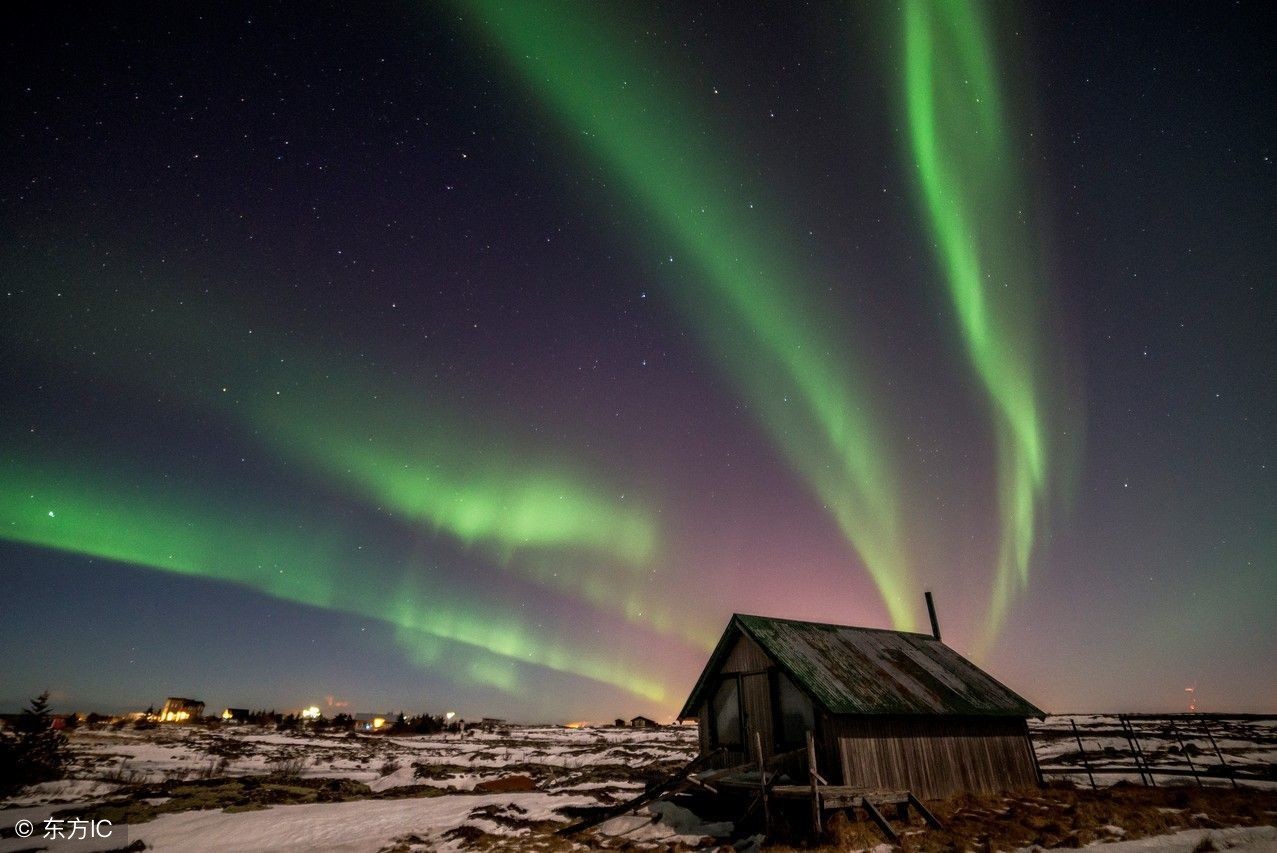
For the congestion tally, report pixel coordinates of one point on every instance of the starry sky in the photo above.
(486, 356)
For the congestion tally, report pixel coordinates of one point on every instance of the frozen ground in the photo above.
(602, 760)
(495, 790)
(422, 792)
(1244, 839)
(1172, 750)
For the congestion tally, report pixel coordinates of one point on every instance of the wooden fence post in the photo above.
(762, 783)
(812, 776)
(1222, 763)
(1183, 748)
(1137, 754)
(1081, 750)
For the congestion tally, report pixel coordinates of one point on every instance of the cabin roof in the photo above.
(868, 671)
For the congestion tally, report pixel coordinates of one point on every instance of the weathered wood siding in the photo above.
(934, 757)
(757, 696)
(746, 656)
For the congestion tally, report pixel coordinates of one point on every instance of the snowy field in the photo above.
(420, 792)
(1171, 749)
(604, 760)
(247, 788)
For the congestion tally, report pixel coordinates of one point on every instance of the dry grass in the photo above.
(1060, 815)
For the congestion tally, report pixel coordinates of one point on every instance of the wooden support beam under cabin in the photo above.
(876, 817)
(932, 820)
(841, 797)
(772, 760)
(676, 782)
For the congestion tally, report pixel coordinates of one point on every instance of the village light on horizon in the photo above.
(311, 713)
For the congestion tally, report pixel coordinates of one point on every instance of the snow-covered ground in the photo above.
(489, 788)
(355, 826)
(560, 759)
(430, 791)
(1243, 839)
(1171, 749)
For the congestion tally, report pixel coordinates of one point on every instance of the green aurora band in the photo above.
(151, 522)
(534, 511)
(743, 292)
(978, 212)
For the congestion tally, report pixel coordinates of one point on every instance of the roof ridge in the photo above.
(895, 673)
(835, 625)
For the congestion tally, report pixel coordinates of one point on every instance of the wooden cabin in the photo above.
(889, 710)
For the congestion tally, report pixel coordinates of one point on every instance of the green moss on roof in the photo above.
(870, 671)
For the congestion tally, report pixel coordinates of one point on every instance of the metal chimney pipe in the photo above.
(931, 611)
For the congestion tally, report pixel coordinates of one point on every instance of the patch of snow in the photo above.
(1250, 839)
(402, 776)
(664, 823)
(685, 822)
(61, 791)
(366, 825)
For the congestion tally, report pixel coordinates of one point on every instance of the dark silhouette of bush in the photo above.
(36, 752)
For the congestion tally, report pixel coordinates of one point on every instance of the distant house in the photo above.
(236, 715)
(888, 710)
(643, 723)
(179, 710)
(371, 722)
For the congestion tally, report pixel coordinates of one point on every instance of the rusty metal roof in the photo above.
(852, 670)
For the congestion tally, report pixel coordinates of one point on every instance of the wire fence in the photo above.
(1156, 749)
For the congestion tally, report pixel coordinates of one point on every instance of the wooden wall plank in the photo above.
(757, 696)
(934, 757)
(746, 656)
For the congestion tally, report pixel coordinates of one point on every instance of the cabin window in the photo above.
(725, 712)
(794, 712)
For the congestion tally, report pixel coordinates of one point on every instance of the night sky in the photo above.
(486, 356)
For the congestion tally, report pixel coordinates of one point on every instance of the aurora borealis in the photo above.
(286, 558)
(744, 294)
(486, 356)
(982, 222)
